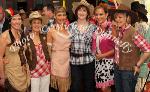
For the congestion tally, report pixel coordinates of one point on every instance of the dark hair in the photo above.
(50, 7)
(6, 24)
(133, 17)
(80, 7)
(142, 17)
(135, 6)
(122, 12)
(142, 5)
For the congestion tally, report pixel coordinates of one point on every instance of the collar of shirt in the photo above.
(122, 30)
(105, 24)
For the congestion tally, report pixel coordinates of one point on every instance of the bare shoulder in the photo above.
(4, 37)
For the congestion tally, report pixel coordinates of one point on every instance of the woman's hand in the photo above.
(136, 70)
(3, 43)
(99, 56)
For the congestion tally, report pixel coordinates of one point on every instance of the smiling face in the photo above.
(36, 25)
(100, 15)
(16, 22)
(61, 17)
(121, 19)
(82, 13)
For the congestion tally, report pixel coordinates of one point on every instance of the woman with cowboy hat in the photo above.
(82, 59)
(127, 57)
(14, 74)
(38, 56)
(59, 40)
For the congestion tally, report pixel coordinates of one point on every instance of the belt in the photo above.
(79, 55)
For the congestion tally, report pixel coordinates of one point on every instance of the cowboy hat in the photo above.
(126, 10)
(35, 15)
(85, 3)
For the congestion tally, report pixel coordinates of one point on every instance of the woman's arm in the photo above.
(3, 44)
(49, 41)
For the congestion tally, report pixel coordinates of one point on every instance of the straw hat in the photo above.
(85, 3)
(35, 15)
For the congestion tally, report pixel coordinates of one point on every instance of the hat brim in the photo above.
(77, 4)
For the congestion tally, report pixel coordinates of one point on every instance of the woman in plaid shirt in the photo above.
(127, 57)
(38, 56)
(82, 60)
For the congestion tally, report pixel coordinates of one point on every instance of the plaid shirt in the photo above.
(139, 41)
(42, 66)
(81, 44)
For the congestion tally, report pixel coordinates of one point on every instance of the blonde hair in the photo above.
(60, 9)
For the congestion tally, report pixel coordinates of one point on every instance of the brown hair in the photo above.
(101, 7)
(80, 7)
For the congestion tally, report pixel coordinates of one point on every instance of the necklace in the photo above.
(83, 28)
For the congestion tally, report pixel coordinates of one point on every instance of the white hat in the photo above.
(35, 15)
